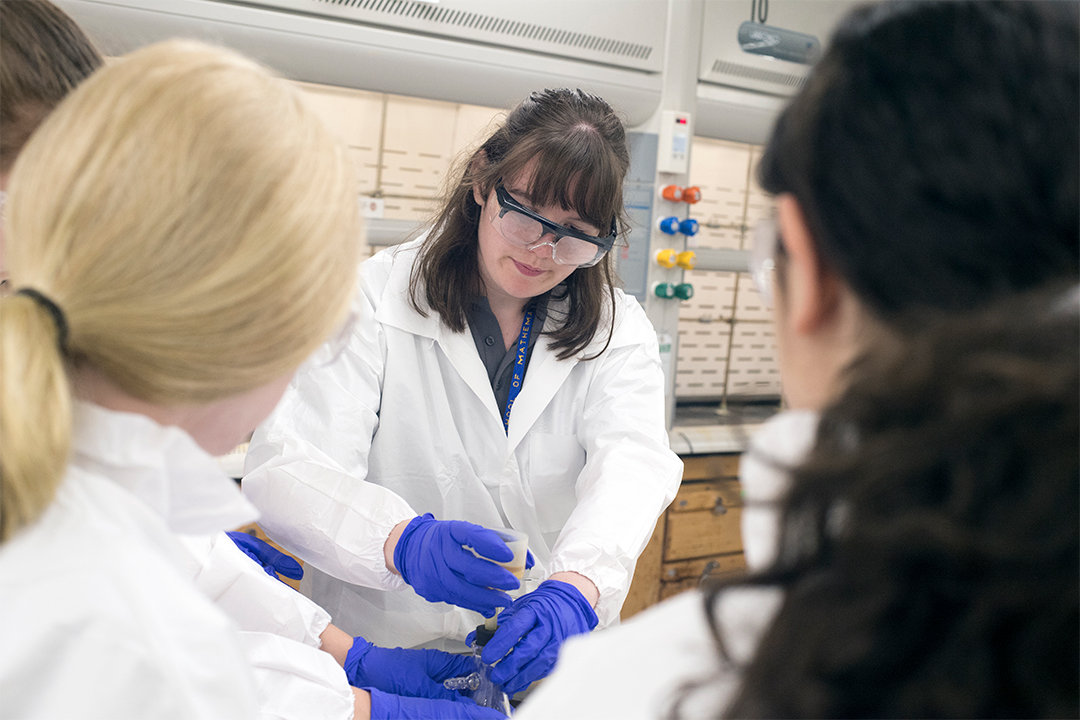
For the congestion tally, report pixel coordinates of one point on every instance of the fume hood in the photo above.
(480, 52)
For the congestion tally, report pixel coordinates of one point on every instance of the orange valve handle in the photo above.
(691, 194)
(671, 193)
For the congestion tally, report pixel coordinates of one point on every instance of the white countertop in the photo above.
(706, 429)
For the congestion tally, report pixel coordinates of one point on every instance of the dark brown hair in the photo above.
(579, 147)
(43, 56)
(935, 152)
(930, 546)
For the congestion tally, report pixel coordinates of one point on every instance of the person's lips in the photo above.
(528, 270)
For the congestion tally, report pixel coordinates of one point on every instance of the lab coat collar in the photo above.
(395, 311)
(161, 466)
(545, 374)
(394, 308)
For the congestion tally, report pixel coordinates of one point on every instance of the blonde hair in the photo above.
(197, 226)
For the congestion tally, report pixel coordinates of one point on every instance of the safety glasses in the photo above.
(525, 228)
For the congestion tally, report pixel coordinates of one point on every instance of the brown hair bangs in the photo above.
(576, 146)
(574, 171)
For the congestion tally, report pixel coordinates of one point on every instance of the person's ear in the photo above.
(810, 289)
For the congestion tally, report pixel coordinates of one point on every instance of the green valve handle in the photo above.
(664, 290)
(684, 291)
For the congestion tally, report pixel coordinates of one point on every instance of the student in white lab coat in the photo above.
(926, 181)
(370, 463)
(182, 236)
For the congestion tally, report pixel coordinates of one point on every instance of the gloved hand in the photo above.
(430, 557)
(534, 628)
(395, 707)
(272, 560)
(418, 673)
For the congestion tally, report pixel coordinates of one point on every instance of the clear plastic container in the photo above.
(478, 683)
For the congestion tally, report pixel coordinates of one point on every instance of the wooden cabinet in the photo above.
(697, 536)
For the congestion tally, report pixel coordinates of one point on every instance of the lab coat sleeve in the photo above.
(280, 631)
(306, 465)
(294, 681)
(255, 601)
(667, 654)
(630, 474)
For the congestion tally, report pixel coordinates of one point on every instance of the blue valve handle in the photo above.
(669, 225)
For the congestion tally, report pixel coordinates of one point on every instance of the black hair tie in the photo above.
(54, 310)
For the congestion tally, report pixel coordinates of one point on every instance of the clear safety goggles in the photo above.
(522, 227)
(763, 259)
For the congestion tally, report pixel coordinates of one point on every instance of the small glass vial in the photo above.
(487, 693)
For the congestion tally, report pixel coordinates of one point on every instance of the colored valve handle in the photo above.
(674, 193)
(672, 225)
(682, 291)
(669, 259)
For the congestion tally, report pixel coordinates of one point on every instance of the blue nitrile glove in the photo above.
(385, 706)
(271, 559)
(534, 628)
(418, 673)
(430, 557)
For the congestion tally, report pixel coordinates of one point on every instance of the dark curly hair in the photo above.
(935, 152)
(929, 556)
(930, 544)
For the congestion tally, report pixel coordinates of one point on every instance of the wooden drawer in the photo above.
(710, 467)
(704, 520)
(698, 570)
(686, 575)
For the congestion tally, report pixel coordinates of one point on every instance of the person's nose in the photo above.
(545, 240)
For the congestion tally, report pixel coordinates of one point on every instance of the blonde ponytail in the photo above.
(35, 412)
(198, 227)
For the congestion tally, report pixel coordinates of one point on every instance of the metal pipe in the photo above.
(722, 260)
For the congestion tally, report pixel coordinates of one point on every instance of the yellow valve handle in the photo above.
(686, 260)
(666, 258)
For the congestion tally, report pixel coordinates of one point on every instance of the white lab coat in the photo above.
(104, 607)
(638, 670)
(405, 422)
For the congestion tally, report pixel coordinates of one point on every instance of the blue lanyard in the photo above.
(519, 367)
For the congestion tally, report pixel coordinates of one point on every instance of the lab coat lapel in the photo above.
(461, 351)
(395, 311)
(546, 374)
(543, 378)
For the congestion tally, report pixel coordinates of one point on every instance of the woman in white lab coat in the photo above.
(926, 467)
(181, 237)
(414, 417)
